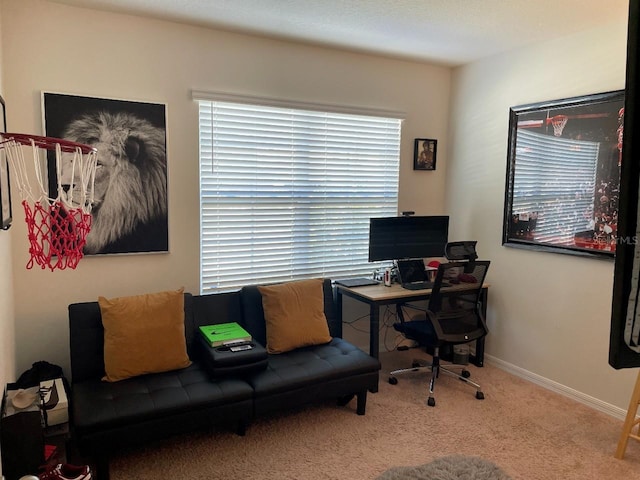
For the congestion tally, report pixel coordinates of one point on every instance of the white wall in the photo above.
(7, 331)
(549, 313)
(57, 48)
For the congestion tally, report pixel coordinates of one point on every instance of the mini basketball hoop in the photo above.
(57, 227)
(558, 122)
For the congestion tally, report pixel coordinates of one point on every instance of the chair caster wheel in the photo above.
(393, 380)
(479, 395)
(465, 373)
(431, 402)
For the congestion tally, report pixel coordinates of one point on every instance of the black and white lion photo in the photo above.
(130, 205)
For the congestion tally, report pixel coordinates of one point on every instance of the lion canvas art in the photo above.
(129, 212)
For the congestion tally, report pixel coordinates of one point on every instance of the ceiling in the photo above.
(449, 32)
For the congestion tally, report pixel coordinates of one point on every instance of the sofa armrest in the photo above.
(86, 341)
(330, 310)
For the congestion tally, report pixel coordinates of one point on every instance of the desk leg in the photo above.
(339, 309)
(374, 330)
(478, 359)
(374, 335)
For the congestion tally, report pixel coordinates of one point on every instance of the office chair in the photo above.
(453, 315)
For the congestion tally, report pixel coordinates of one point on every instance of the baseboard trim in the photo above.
(587, 400)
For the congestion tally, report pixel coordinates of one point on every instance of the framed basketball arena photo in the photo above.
(563, 175)
(129, 212)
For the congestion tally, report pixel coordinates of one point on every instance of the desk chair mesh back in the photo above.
(465, 250)
(453, 317)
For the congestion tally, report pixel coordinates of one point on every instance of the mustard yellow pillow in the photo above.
(294, 315)
(143, 334)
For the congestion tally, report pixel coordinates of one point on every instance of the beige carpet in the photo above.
(529, 432)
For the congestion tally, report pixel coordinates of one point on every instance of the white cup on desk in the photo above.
(387, 277)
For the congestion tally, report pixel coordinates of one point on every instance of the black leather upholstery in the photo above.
(160, 398)
(152, 396)
(104, 413)
(134, 411)
(309, 365)
(310, 373)
(313, 373)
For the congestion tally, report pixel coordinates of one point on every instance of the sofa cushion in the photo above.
(102, 405)
(294, 315)
(252, 313)
(312, 365)
(143, 334)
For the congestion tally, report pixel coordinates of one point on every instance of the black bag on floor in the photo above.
(38, 372)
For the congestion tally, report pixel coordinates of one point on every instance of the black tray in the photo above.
(221, 361)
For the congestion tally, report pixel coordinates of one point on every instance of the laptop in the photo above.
(412, 274)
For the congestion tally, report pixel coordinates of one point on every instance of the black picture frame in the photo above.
(6, 215)
(130, 213)
(624, 351)
(563, 175)
(425, 151)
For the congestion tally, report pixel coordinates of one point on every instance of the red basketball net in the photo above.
(57, 234)
(57, 227)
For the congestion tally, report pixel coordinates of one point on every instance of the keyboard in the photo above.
(422, 285)
(356, 282)
(417, 285)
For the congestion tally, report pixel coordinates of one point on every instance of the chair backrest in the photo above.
(465, 250)
(454, 304)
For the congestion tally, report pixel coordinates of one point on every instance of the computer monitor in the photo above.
(394, 238)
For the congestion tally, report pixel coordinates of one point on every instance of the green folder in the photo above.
(222, 333)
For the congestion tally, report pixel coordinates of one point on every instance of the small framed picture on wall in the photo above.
(424, 154)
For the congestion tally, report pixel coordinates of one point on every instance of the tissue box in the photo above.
(55, 404)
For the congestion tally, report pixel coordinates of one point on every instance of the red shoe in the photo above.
(67, 472)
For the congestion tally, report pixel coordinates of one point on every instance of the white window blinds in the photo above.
(287, 194)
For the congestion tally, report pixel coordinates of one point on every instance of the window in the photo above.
(287, 193)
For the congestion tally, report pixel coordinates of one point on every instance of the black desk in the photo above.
(378, 295)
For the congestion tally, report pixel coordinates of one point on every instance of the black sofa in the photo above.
(107, 416)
